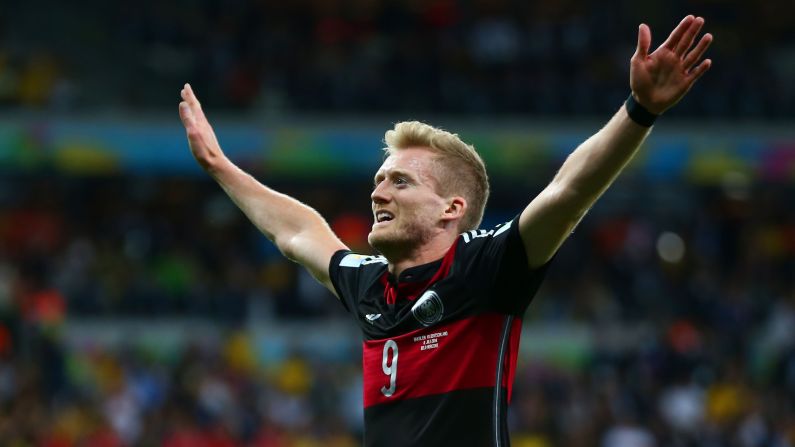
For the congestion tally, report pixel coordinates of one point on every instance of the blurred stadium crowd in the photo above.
(668, 319)
(475, 57)
(689, 305)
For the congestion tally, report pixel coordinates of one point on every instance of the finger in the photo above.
(699, 70)
(186, 114)
(690, 34)
(190, 96)
(695, 54)
(193, 102)
(676, 34)
(186, 94)
(644, 41)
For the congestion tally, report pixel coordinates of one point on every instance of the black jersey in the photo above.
(441, 341)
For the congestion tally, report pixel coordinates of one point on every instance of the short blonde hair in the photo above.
(462, 170)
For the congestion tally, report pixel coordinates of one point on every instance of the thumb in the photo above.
(644, 41)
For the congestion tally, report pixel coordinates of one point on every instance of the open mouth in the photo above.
(383, 216)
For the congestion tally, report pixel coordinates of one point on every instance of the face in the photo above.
(406, 207)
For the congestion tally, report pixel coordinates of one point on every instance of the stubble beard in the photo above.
(400, 241)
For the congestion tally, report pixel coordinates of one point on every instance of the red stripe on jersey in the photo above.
(411, 290)
(512, 355)
(459, 355)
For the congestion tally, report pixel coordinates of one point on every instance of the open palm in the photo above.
(201, 137)
(660, 79)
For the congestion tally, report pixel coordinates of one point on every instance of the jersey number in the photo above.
(390, 368)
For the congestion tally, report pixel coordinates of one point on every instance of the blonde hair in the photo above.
(462, 170)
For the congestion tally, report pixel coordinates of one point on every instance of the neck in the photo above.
(428, 252)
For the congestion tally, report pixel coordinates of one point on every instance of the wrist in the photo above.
(216, 164)
(638, 113)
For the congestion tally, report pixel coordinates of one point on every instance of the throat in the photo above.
(412, 281)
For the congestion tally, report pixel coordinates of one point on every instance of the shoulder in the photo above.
(488, 247)
(482, 234)
(354, 260)
(356, 265)
(352, 274)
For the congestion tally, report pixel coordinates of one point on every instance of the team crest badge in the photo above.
(428, 309)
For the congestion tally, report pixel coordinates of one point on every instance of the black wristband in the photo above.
(639, 114)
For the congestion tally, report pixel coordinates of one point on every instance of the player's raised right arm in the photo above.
(298, 231)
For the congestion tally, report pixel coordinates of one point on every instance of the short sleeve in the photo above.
(496, 263)
(350, 273)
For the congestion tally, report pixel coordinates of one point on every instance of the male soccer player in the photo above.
(440, 309)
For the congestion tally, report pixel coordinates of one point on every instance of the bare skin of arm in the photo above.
(299, 232)
(658, 81)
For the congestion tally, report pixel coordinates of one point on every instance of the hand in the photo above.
(201, 137)
(660, 79)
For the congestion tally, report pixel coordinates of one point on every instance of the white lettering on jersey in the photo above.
(474, 234)
(354, 260)
(372, 317)
(430, 341)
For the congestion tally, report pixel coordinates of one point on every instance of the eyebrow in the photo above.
(393, 172)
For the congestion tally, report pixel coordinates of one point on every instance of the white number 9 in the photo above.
(390, 369)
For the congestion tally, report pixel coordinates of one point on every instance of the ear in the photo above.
(456, 208)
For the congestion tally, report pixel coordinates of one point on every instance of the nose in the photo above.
(380, 193)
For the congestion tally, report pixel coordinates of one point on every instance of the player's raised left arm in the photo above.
(658, 81)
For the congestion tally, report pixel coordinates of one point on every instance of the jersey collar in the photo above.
(414, 280)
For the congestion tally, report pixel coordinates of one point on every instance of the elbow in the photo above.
(286, 246)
